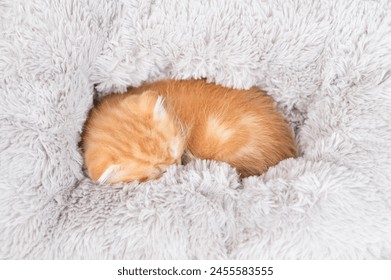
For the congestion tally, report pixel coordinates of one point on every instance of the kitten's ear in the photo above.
(159, 110)
(110, 173)
(151, 99)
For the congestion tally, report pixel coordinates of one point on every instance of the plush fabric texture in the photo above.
(326, 63)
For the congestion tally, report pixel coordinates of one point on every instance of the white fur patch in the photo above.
(215, 127)
(174, 148)
(159, 111)
(110, 173)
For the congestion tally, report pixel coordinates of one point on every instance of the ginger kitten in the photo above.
(137, 135)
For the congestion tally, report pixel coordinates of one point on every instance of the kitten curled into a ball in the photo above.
(137, 135)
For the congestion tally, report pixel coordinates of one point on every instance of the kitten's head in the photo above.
(132, 138)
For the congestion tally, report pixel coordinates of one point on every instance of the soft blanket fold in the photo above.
(327, 64)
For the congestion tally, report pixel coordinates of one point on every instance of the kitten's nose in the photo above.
(187, 156)
(184, 158)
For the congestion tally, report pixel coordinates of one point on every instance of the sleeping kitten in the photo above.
(137, 135)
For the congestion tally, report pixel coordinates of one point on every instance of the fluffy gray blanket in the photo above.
(326, 63)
